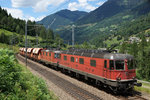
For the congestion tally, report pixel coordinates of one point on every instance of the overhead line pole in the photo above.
(37, 40)
(48, 29)
(26, 40)
(26, 30)
(73, 35)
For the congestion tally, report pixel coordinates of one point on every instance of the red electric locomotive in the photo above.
(113, 70)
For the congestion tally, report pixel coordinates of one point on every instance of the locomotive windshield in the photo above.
(119, 64)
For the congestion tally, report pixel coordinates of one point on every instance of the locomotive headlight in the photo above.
(118, 78)
(133, 77)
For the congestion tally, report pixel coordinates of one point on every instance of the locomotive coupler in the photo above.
(138, 84)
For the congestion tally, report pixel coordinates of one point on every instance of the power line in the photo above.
(51, 23)
(61, 5)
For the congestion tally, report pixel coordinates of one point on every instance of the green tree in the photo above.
(133, 49)
(18, 29)
(86, 45)
(43, 33)
(4, 38)
(58, 41)
(123, 48)
(50, 34)
(142, 65)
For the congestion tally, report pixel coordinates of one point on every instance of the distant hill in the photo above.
(61, 18)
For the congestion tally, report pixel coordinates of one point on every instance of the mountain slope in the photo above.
(102, 28)
(61, 18)
(109, 9)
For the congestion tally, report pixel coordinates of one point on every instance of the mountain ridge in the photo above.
(61, 18)
(108, 9)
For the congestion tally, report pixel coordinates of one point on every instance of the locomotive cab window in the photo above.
(111, 65)
(43, 53)
(93, 63)
(46, 53)
(105, 63)
(119, 64)
(65, 57)
(49, 54)
(72, 59)
(81, 60)
(57, 55)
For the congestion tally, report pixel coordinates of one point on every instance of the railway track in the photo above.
(135, 95)
(75, 91)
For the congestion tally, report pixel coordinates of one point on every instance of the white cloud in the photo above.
(92, 0)
(23, 3)
(90, 8)
(37, 5)
(100, 3)
(81, 4)
(17, 13)
(35, 19)
(73, 6)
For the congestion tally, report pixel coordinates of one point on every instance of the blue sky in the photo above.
(38, 9)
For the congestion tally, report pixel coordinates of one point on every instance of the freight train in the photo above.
(113, 70)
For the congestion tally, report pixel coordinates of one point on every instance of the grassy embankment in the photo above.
(14, 48)
(18, 83)
(19, 39)
(8, 33)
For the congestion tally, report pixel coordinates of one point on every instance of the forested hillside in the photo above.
(100, 25)
(17, 25)
(12, 31)
(127, 29)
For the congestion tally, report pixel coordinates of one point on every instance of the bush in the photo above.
(17, 83)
